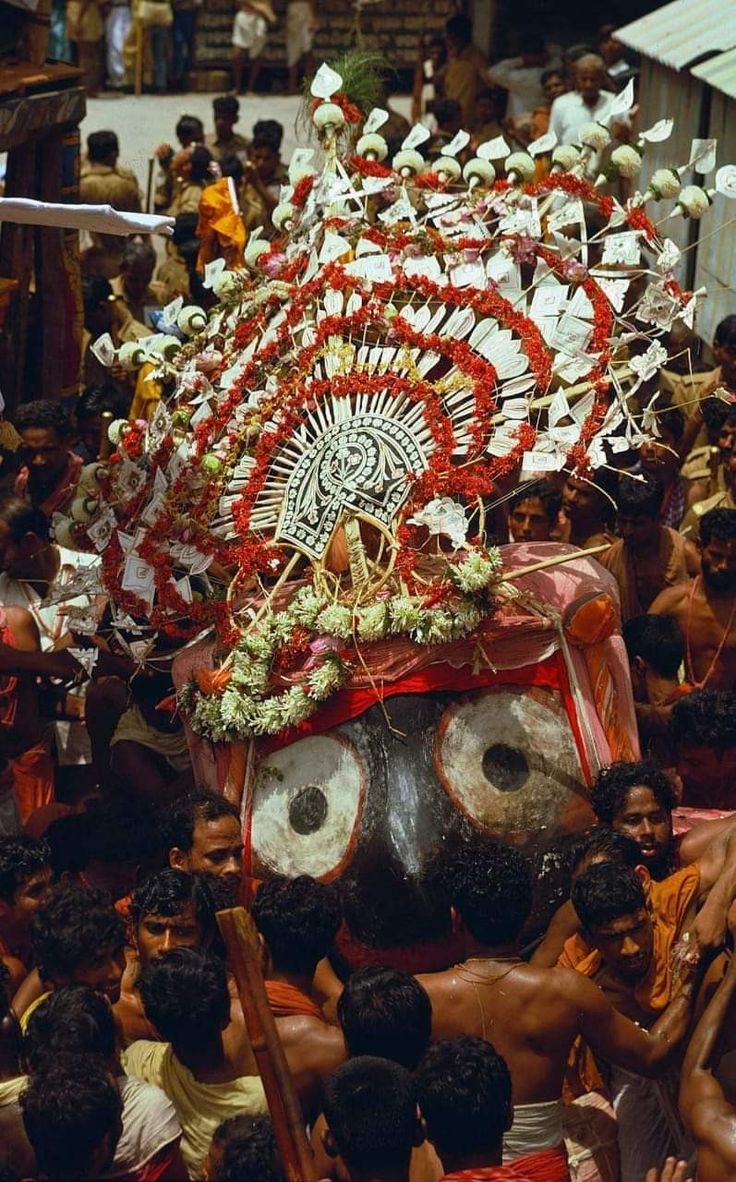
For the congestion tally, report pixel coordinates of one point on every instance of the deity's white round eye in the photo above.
(307, 807)
(507, 759)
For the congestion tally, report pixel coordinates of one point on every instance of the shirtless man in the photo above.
(705, 606)
(702, 733)
(298, 920)
(171, 909)
(25, 877)
(587, 512)
(708, 1116)
(534, 1019)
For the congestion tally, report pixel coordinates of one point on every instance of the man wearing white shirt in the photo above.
(31, 566)
(522, 76)
(588, 103)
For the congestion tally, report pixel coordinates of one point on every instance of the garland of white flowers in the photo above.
(245, 709)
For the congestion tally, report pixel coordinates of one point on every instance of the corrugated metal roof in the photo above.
(682, 31)
(719, 72)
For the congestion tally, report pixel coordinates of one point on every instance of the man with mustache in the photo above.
(705, 606)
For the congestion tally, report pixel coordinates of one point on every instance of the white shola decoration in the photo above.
(692, 202)
(726, 181)
(443, 516)
(325, 83)
(595, 136)
(626, 161)
(664, 183)
(658, 133)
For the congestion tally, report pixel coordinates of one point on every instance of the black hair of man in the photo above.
(245, 1151)
(609, 844)
(639, 498)
(74, 1020)
(544, 490)
(68, 929)
(226, 104)
(716, 413)
(199, 164)
(179, 820)
(371, 1111)
(551, 72)
(298, 918)
(672, 420)
(67, 839)
(136, 252)
(460, 29)
(704, 718)
(95, 399)
(268, 131)
(464, 1093)
(725, 334)
(20, 858)
(490, 886)
(185, 996)
(657, 640)
(103, 147)
(95, 290)
(614, 783)
(122, 830)
(232, 166)
(43, 413)
(605, 893)
(69, 1109)
(169, 891)
(189, 128)
(23, 518)
(719, 524)
(386, 1013)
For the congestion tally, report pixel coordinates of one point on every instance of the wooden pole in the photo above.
(555, 560)
(138, 35)
(241, 941)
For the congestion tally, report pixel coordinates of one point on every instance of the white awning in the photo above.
(683, 31)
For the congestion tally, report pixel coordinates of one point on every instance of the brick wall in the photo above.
(393, 27)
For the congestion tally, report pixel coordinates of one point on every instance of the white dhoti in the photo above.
(117, 26)
(299, 36)
(535, 1127)
(250, 32)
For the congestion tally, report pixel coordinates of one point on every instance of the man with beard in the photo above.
(705, 606)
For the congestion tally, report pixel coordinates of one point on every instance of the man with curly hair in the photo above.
(50, 469)
(702, 732)
(77, 937)
(496, 993)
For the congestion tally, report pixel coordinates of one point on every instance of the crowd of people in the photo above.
(594, 1044)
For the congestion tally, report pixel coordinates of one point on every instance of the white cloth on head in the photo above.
(535, 1127)
(117, 26)
(150, 1124)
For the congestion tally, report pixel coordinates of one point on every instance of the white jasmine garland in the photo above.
(626, 160)
(693, 201)
(665, 183)
(404, 614)
(372, 622)
(595, 136)
(335, 620)
(296, 705)
(326, 678)
(565, 156)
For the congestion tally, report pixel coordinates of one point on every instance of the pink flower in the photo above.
(273, 264)
(320, 647)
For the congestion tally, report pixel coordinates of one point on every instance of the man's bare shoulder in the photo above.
(671, 600)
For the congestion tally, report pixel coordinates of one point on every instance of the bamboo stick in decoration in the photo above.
(555, 560)
(241, 941)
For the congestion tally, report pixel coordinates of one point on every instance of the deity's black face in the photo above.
(373, 804)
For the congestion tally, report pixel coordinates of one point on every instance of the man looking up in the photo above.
(648, 557)
(202, 832)
(298, 920)
(464, 1094)
(50, 469)
(489, 887)
(632, 964)
(372, 1119)
(186, 998)
(705, 606)
(25, 878)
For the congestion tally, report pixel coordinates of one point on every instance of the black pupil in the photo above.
(505, 767)
(308, 810)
